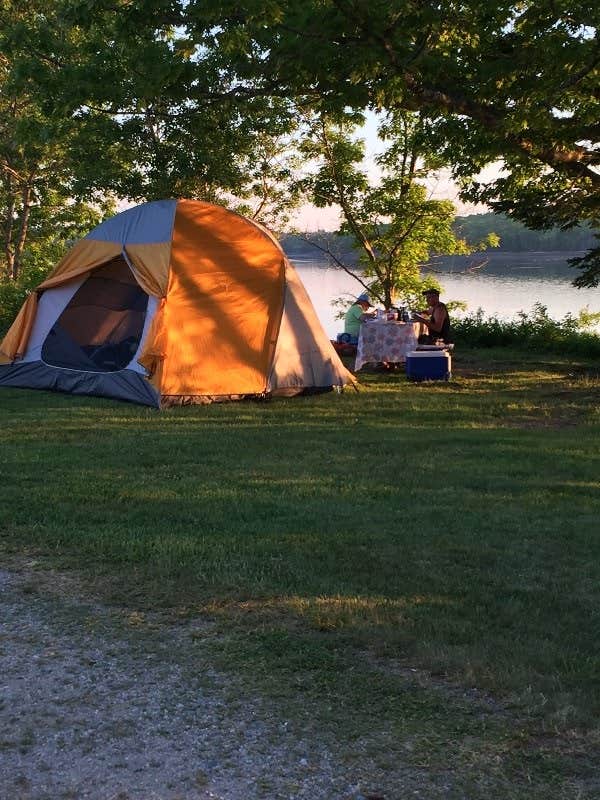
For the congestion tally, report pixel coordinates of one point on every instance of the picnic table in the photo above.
(383, 341)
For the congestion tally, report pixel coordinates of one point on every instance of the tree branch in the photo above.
(328, 252)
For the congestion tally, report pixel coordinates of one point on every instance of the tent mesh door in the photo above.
(100, 328)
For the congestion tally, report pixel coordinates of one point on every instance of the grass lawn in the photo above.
(416, 561)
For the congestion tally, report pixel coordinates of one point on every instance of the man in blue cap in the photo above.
(357, 313)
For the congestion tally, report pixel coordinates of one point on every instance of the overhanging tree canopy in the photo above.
(169, 95)
(516, 81)
(116, 98)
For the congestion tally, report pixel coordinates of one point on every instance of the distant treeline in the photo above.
(514, 237)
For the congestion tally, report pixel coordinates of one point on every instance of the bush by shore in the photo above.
(533, 331)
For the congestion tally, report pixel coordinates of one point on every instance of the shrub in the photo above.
(534, 330)
(13, 293)
(12, 297)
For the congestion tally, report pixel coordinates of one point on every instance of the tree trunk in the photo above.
(8, 230)
(20, 245)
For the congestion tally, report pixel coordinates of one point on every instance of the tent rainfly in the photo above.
(172, 302)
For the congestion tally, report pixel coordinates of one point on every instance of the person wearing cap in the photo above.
(357, 313)
(435, 319)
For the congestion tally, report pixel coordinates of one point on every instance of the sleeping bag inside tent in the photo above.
(172, 302)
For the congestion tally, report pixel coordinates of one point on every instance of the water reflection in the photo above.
(514, 264)
(502, 288)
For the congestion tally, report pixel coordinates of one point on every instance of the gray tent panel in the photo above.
(123, 385)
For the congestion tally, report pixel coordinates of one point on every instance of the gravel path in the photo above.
(102, 703)
(95, 707)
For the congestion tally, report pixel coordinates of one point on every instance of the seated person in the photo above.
(357, 313)
(435, 319)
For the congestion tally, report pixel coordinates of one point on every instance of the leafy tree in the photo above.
(394, 224)
(516, 81)
(39, 207)
(271, 192)
(155, 98)
(115, 99)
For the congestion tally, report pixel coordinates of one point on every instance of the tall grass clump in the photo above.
(535, 330)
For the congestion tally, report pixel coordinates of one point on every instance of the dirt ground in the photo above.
(96, 707)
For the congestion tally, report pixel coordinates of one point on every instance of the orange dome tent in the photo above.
(172, 302)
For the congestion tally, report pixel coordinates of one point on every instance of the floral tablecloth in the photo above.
(385, 341)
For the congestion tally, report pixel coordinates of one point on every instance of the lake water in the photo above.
(508, 284)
